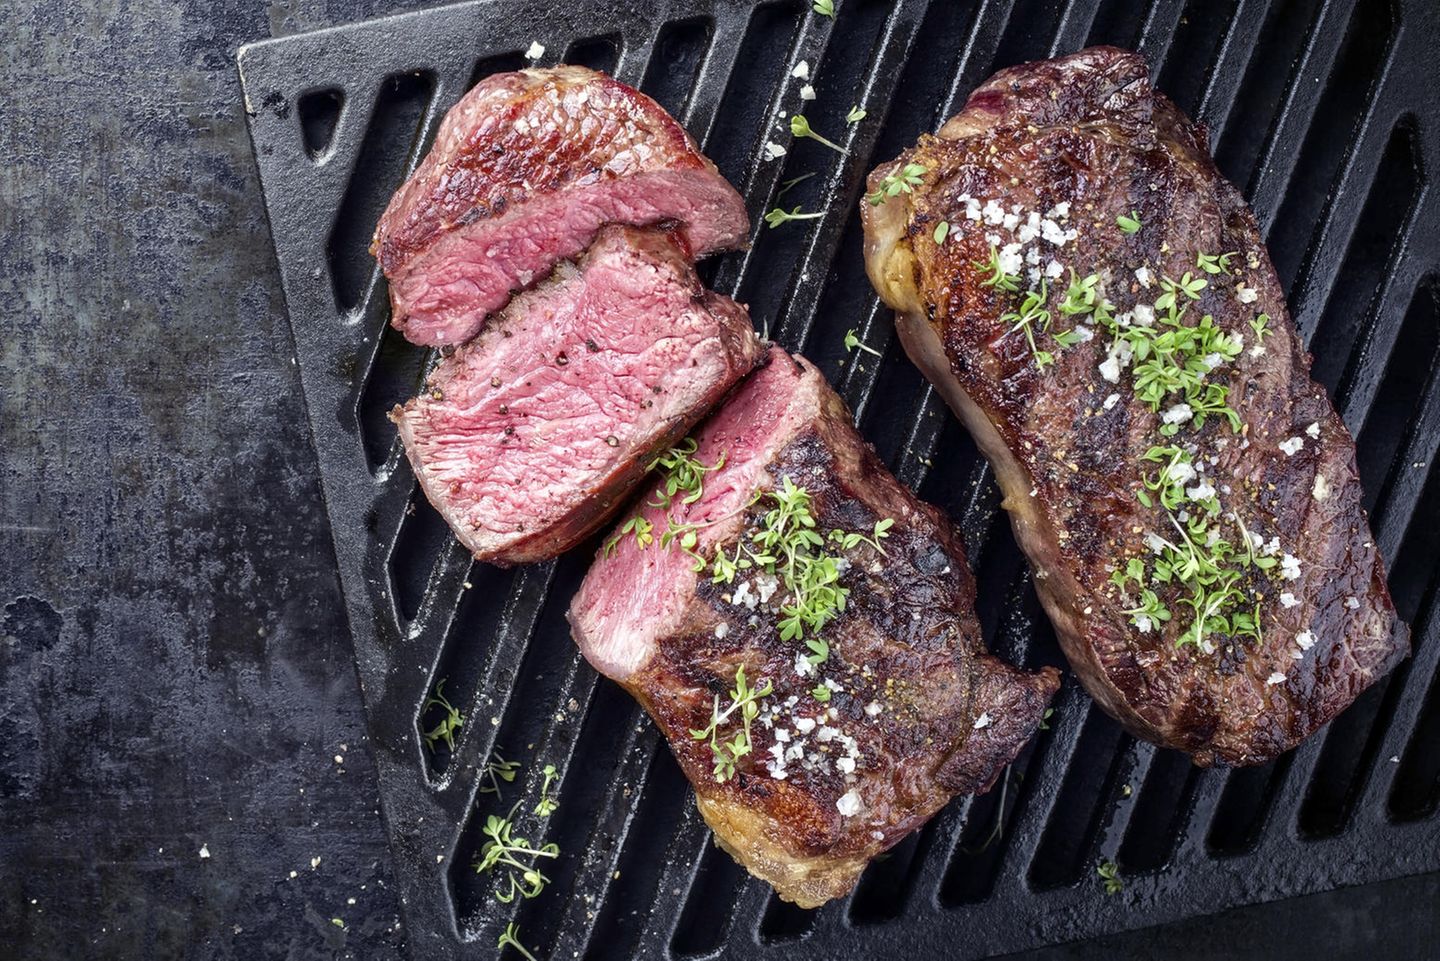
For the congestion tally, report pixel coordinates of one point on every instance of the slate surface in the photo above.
(175, 675)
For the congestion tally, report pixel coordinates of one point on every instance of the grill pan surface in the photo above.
(1324, 111)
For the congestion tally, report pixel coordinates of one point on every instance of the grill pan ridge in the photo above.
(1323, 111)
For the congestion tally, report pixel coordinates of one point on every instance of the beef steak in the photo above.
(867, 723)
(524, 170)
(530, 436)
(1095, 302)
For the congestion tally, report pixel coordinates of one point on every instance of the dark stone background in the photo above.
(175, 673)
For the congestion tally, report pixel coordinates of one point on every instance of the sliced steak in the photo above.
(528, 437)
(1185, 492)
(524, 170)
(847, 753)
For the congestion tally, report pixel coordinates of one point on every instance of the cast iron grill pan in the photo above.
(1325, 111)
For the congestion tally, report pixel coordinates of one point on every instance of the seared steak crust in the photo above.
(1086, 143)
(524, 170)
(920, 707)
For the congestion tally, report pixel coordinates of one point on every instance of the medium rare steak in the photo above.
(802, 630)
(1095, 302)
(528, 437)
(524, 170)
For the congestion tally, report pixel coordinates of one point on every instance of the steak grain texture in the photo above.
(524, 170)
(919, 711)
(530, 436)
(1081, 141)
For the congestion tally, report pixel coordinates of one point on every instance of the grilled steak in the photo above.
(524, 170)
(528, 437)
(1100, 311)
(852, 745)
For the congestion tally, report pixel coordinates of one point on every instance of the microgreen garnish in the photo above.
(892, 185)
(849, 540)
(516, 856)
(821, 693)
(800, 127)
(1109, 872)
(853, 342)
(682, 472)
(1188, 285)
(786, 186)
(497, 769)
(855, 115)
(942, 230)
(998, 278)
(1032, 315)
(1128, 224)
(745, 699)
(548, 802)
(643, 530)
(787, 545)
(510, 938)
(448, 725)
(826, 8)
(1261, 327)
(779, 216)
(819, 651)
(1045, 719)
(1215, 263)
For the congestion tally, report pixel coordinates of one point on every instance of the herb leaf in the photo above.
(853, 341)
(449, 724)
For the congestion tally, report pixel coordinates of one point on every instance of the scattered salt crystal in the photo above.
(804, 724)
(1306, 640)
(1289, 600)
(801, 71)
(1321, 490)
(1111, 401)
(1352, 602)
(873, 708)
(1314, 430)
(536, 50)
(1290, 567)
(1178, 414)
(807, 92)
(1246, 295)
(1145, 275)
(773, 151)
(1292, 446)
(849, 803)
(1276, 678)
(204, 851)
(983, 720)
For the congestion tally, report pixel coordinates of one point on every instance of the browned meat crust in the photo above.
(920, 707)
(1085, 143)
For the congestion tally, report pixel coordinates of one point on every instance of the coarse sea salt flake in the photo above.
(1289, 600)
(1276, 678)
(1292, 446)
(983, 720)
(535, 51)
(1306, 640)
(849, 803)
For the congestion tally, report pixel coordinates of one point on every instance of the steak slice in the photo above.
(528, 437)
(524, 170)
(910, 709)
(1185, 492)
